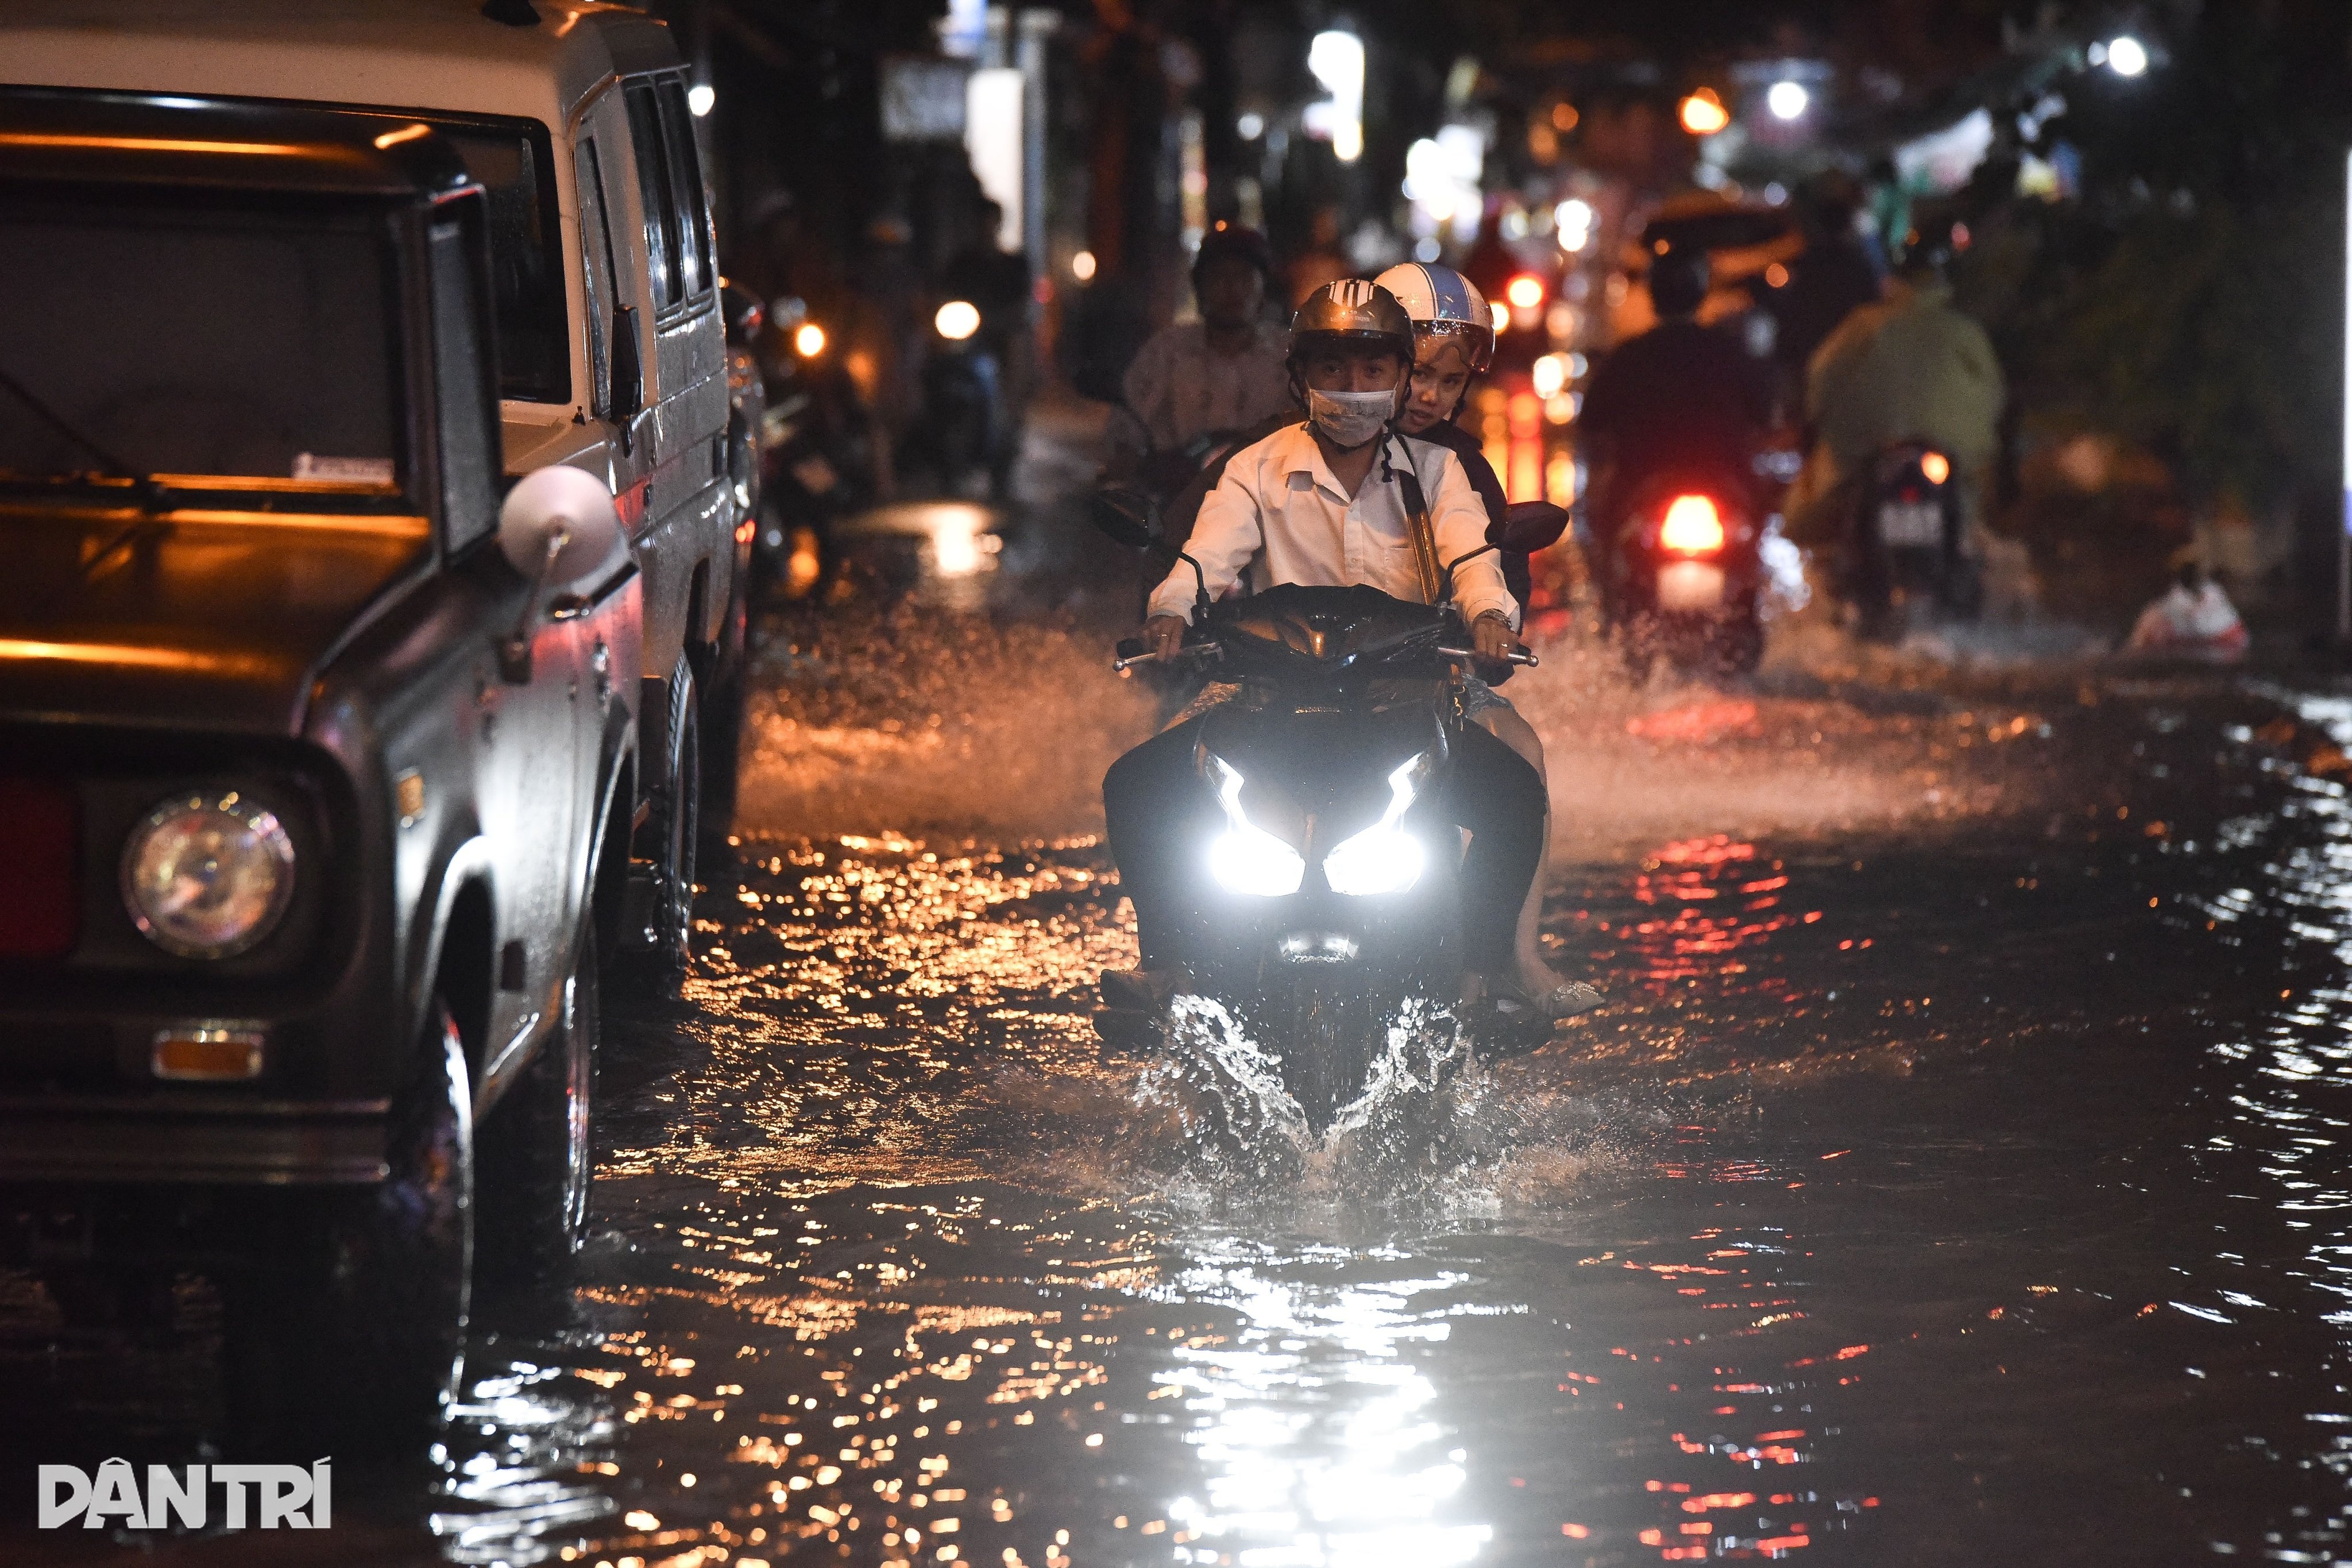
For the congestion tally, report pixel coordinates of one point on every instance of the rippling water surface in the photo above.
(1956, 1176)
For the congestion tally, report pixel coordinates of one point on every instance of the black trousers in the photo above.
(1157, 813)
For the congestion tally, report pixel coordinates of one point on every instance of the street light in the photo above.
(699, 97)
(1788, 99)
(2124, 55)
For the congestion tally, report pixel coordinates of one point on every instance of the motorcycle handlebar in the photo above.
(1523, 656)
(1132, 652)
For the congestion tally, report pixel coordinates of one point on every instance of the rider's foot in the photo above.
(1563, 999)
(1140, 990)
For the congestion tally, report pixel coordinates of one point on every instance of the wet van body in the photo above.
(309, 795)
(611, 343)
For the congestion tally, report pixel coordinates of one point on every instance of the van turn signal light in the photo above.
(195, 1054)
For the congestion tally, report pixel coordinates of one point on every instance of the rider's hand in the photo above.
(1492, 639)
(1166, 635)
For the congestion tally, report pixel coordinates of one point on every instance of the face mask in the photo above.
(1349, 419)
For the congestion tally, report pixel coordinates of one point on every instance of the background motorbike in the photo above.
(816, 460)
(965, 426)
(1683, 574)
(1904, 550)
(1324, 913)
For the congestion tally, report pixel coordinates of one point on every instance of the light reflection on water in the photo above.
(1316, 1442)
(1918, 1232)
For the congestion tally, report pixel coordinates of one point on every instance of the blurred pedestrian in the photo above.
(2194, 619)
(1322, 261)
(1833, 278)
(1222, 373)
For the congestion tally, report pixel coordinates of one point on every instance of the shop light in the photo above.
(1573, 218)
(1336, 58)
(1703, 113)
(957, 320)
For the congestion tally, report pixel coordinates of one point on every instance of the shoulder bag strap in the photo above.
(1424, 533)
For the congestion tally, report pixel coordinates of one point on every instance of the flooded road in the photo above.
(1955, 1176)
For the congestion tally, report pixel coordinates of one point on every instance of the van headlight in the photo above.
(1383, 858)
(1246, 858)
(208, 874)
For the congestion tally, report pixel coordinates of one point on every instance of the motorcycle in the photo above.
(965, 426)
(1683, 580)
(816, 458)
(1904, 543)
(1320, 932)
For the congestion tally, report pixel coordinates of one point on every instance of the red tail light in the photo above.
(1692, 527)
(40, 845)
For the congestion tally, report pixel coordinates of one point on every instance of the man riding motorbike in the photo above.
(1221, 374)
(1325, 502)
(1454, 342)
(1679, 397)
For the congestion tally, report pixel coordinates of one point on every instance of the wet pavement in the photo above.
(1954, 1176)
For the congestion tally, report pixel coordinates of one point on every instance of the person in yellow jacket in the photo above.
(1912, 367)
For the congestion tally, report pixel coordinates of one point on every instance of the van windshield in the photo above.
(216, 341)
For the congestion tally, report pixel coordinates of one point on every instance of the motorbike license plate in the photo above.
(1911, 525)
(1690, 586)
(815, 475)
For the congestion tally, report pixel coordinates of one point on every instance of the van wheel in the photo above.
(353, 1328)
(661, 919)
(537, 1156)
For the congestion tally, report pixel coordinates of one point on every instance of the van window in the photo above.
(469, 427)
(662, 238)
(190, 336)
(513, 161)
(694, 267)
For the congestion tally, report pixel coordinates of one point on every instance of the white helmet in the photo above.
(1441, 301)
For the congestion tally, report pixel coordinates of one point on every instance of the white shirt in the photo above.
(1280, 514)
(1179, 387)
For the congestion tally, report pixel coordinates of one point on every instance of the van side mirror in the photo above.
(1529, 526)
(627, 396)
(556, 528)
(1128, 515)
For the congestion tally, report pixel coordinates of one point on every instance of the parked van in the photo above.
(312, 752)
(612, 353)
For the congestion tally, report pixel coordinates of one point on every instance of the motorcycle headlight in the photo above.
(1383, 858)
(207, 875)
(1246, 858)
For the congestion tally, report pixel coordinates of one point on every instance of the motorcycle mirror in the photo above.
(1128, 515)
(1530, 526)
(744, 313)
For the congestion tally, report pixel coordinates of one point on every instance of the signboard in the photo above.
(923, 99)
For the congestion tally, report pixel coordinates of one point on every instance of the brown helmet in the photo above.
(1351, 311)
